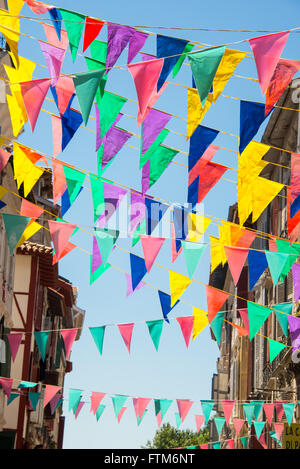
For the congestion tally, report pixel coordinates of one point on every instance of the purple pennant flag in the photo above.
(113, 196)
(296, 280)
(54, 401)
(98, 128)
(152, 126)
(129, 285)
(117, 39)
(137, 210)
(113, 141)
(54, 57)
(97, 259)
(136, 42)
(294, 326)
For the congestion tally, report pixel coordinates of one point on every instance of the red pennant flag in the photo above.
(215, 299)
(269, 411)
(126, 333)
(281, 78)
(209, 175)
(96, 399)
(186, 324)
(244, 315)
(92, 29)
(151, 247)
(4, 157)
(67, 249)
(278, 429)
(279, 409)
(121, 414)
(184, 406)
(14, 343)
(230, 444)
(205, 158)
(59, 183)
(236, 258)
(228, 408)
(30, 210)
(263, 441)
(69, 336)
(140, 404)
(238, 423)
(6, 384)
(50, 392)
(204, 446)
(34, 93)
(199, 422)
(60, 234)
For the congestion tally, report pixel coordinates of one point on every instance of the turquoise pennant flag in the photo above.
(139, 420)
(178, 420)
(12, 397)
(249, 412)
(259, 426)
(100, 411)
(244, 440)
(41, 339)
(217, 445)
(289, 409)
(219, 421)
(207, 407)
(74, 23)
(106, 242)
(204, 65)
(275, 348)
(86, 85)
(34, 399)
(216, 326)
(74, 399)
(293, 250)
(98, 336)
(283, 320)
(74, 180)
(118, 402)
(257, 315)
(276, 263)
(258, 405)
(274, 436)
(97, 196)
(192, 254)
(162, 406)
(14, 227)
(26, 384)
(155, 330)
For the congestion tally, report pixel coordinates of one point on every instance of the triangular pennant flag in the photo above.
(54, 57)
(74, 180)
(91, 31)
(74, 399)
(50, 392)
(228, 407)
(165, 302)
(184, 406)
(118, 37)
(138, 270)
(296, 280)
(230, 443)
(195, 111)
(145, 76)
(126, 333)
(252, 116)
(199, 422)
(276, 263)
(294, 328)
(216, 326)
(69, 336)
(178, 420)
(257, 315)
(215, 299)
(41, 339)
(244, 440)
(244, 315)
(257, 264)
(204, 446)
(204, 65)
(14, 226)
(26, 385)
(74, 23)
(200, 141)
(200, 321)
(14, 343)
(136, 42)
(168, 48)
(258, 426)
(267, 51)
(279, 409)
(113, 142)
(192, 254)
(238, 424)
(129, 285)
(12, 39)
(118, 402)
(154, 213)
(289, 409)
(258, 405)
(207, 407)
(86, 85)
(188, 48)
(34, 93)
(286, 309)
(30, 210)
(278, 429)
(282, 76)
(68, 248)
(12, 397)
(269, 412)
(60, 234)
(79, 407)
(64, 90)
(56, 18)
(216, 445)
(4, 157)
(178, 284)
(219, 421)
(71, 121)
(186, 324)
(155, 329)
(34, 399)
(139, 420)
(151, 247)
(98, 336)
(96, 399)
(6, 384)
(162, 406)
(100, 411)
(140, 404)
(249, 412)
(121, 413)
(228, 64)
(236, 258)
(275, 348)
(159, 161)
(109, 108)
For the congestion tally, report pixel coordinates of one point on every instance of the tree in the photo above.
(168, 437)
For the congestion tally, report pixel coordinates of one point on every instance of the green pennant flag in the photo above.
(139, 420)
(74, 23)
(34, 399)
(98, 336)
(188, 48)
(41, 339)
(153, 148)
(219, 421)
(257, 315)
(93, 64)
(283, 320)
(86, 85)
(118, 402)
(162, 406)
(249, 412)
(259, 426)
(204, 65)
(216, 445)
(178, 420)
(100, 411)
(207, 407)
(26, 384)
(97, 196)
(12, 397)
(274, 436)
(159, 162)
(276, 263)
(98, 272)
(155, 330)
(74, 399)
(289, 409)
(258, 405)
(14, 227)
(192, 254)
(293, 250)
(244, 440)
(106, 242)
(109, 106)
(275, 348)
(98, 50)
(74, 180)
(216, 326)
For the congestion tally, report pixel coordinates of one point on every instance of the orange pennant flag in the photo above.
(215, 299)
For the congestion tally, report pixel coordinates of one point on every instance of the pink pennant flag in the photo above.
(30, 210)
(79, 407)
(57, 135)
(154, 97)
(175, 254)
(145, 76)
(230, 444)
(4, 157)
(158, 419)
(246, 239)
(69, 336)
(50, 392)
(184, 406)
(64, 90)
(281, 78)
(67, 249)
(54, 57)
(6, 384)
(34, 93)
(126, 333)
(205, 158)
(204, 446)
(151, 247)
(140, 404)
(129, 285)
(215, 299)
(199, 422)
(238, 423)
(14, 343)
(263, 441)
(269, 411)
(186, 324)
(53, 39)
(228, 408)
(96, 399)
(236, 258)
(244, 315)
(54, 401)
(279, 409)
(272, 244)
(39, 8)
(60, 234)
(278, 429)
(267, 51)
(121, 414)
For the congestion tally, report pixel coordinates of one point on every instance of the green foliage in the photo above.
(168, 437)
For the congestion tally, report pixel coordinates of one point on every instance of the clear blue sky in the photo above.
(174, 371)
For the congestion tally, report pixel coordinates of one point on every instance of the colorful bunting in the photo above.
(165, 302)
(178, 284)
(98, 336)
(276, 263)
(257, 263)
(155, 329)
(96, 399)
(269, 411)
(219, 421)
(74, 23)
(50, 392)
(91, 31)
(34, 93)
(184, 406)
(228, 407)
(86, 85)
(199, 422)
(14, 227)
(60, 234)
(14, 341)
(126, 333)
(118, 402)
(186, 324)
(215, 299)
(69, 336)
(207, 407)
(41, 339)
(168, 48)
(257, 315)
(286, 309)
(252, 116)
(216, 326)
(118, 37)
(6, 384)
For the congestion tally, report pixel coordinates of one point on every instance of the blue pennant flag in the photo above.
(252, 116)
(166, 47)
(199, 142)
(154, 213)
(71, 121)
(165, 301)
(56, 18)
(257, 263)
(138, 270)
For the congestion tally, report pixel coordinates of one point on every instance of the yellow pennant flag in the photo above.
(195, 111)
(264, 191)
(200, 321)
(197, 225)
(12, 38)
(24, 170)
(3, 191)
(32, 228)
(228, 64)
(217, 253)
(178, 284)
